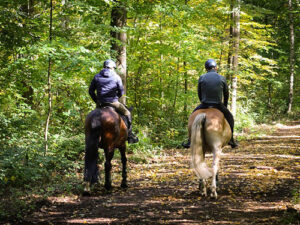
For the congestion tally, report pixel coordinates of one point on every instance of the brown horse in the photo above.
(104, 128)
(209, 132)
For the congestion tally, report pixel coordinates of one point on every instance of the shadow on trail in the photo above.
(256, 184)
(151, 206)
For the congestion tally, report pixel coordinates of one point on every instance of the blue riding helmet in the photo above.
(109, 64)
(210, 63)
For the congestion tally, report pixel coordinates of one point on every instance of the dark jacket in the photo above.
(212, 87)
(108, 85)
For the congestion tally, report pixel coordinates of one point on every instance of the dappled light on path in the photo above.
(256, 185)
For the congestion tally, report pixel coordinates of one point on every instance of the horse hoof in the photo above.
(86, 194)
(124, 185)
(214, 196)
(108, 187)
(87, 189)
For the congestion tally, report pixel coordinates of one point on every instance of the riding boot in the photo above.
(233, 143)
(131, 137)
(187, 144)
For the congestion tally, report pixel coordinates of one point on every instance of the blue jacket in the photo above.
(212, 87)
(108, 85)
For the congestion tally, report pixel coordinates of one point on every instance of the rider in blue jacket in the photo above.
(109, 89)
(212, 91)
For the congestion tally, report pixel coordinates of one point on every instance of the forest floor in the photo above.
(258, 184)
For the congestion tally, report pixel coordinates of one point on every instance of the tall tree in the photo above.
(185, 89)
(49, 83)
(235, 52)
(292, 55)
(185, 82)
(27, 9)
(119, 38)
(230, 46)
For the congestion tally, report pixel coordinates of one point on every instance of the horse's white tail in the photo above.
(197, 141)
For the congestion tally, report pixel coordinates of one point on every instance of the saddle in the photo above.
(123, 117)
(205, 106)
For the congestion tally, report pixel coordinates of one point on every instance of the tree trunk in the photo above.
(269, 95)
(185, 84)
(119, 39)
(236, 43)
(49, 84)
(27, 9)
(64, 18)
(185, 89)
(161, 84)
(176, 85)
(230, 49)
(292, 56)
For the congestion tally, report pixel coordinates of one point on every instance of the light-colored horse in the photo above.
(209, 131)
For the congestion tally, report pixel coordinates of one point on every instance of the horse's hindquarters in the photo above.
(105, 125)
(209, 132)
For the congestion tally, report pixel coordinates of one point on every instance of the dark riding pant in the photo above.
(227, 114)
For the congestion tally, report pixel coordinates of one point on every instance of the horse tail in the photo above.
(95, 119)
(197, 143)
(92, 132)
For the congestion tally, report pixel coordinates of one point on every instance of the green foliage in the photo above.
(168, 43)
(21, 166)
(145, 148)
(296, 196)
(244, 119)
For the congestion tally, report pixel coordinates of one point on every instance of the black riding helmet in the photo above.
(109, 64)
(210, 63)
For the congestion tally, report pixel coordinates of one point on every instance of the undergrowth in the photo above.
(28, 175)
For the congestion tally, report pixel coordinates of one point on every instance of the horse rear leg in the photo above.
(215, 169)
(108, 157)
(90, 162)
(124, 171)
(203, 186)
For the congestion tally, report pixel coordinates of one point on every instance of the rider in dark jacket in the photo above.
(212, 88)
(108, 85)
(110, 88)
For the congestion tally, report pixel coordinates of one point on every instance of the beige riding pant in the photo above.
(120, 108)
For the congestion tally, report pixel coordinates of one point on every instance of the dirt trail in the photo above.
(255, 187)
